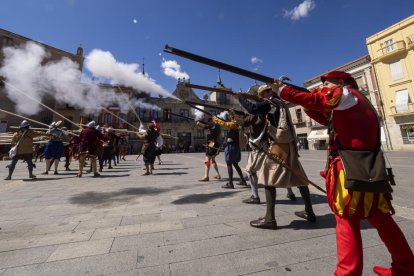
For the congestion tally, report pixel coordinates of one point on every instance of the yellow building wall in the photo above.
(402, 35)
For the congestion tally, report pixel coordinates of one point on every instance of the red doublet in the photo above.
(356, 127)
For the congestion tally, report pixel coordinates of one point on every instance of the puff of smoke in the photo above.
(224, 115)
(198, 115)
(103, 64)
(173, 69)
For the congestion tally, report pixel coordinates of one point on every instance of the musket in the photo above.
(238, 112)
(276, 158)
(224, 91)
(199, 109)
(182, 116)
(227, 67)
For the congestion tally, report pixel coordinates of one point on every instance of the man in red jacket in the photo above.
(356, 127)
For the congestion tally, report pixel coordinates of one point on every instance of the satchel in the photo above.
(370, 175)
(13, 152)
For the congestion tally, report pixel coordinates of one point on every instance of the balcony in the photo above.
(391, 51)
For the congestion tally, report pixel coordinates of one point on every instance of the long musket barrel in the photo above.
(182, 116)
(227, 67)
(216, 107)
(224, 91)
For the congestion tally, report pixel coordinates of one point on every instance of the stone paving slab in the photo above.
(171, 224)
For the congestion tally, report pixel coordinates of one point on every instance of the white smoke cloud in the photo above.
(300, 11)
(28, 81)
(173, 69)
(255, 60)
(103, 64)
(198, 115)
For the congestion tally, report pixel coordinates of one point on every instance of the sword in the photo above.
(274, 157)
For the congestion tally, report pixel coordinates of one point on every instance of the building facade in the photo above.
(392, 53)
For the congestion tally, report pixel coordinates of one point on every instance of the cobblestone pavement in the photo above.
(170, 224)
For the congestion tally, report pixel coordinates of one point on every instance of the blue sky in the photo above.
(265, 36)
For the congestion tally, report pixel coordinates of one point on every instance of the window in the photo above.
(407, 133)
(141, 113)
(122, 118)
(167, 114)
(401, 101)
(184, 112)
(107, 118)
(389, 45)
(154, 114)
(91, 117)
(396, 70)
(299, 115)
(7, 41)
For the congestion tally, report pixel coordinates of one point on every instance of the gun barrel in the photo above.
(217, 64)
(224, 66)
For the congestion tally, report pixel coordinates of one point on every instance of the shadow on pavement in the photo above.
(315, 199)
(173, 173)
(122, 195)
(169, 169)
(324, 221)
(202, 198)
(113, 175)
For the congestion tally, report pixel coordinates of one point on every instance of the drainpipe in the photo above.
(378, 94)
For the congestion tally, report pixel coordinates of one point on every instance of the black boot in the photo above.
(308, 214)
(269, 221)
(228, 185)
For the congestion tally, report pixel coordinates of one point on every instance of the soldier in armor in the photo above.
(280, 141)
(354, 126)
(54, 148)
(232, 154)
(87, 148)
(24, 150)
(151, 138)
(212, 147)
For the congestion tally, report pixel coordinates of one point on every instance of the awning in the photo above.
(320, 134)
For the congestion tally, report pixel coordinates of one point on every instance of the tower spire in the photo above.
(143, 67)
(219, 78)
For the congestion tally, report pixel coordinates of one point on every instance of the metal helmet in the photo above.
(64, 128)
(98, 127)
(52, 125)
(24, 123)
(91, 124)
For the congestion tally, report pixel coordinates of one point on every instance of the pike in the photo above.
(276, 158)
(226, 67)
(24, 118)
(45, 106)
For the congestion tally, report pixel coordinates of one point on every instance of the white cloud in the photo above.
(256, 60)
(300, 11)
(173, 69)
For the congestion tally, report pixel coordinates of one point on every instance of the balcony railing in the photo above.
(391, 50)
